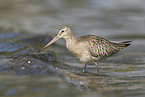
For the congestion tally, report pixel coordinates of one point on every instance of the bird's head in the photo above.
(63, 33)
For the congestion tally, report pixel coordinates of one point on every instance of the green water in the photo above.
(27, 25)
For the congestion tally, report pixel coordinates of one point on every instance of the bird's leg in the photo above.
(84, 70)
(97, 67)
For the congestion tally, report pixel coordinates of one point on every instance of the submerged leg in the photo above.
(84, 70)
(97, 67)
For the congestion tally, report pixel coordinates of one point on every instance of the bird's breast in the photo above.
(80, 51)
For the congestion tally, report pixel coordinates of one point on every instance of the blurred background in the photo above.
(112, 19)
(98, 17)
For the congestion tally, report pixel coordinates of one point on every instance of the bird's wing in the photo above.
(101, 48)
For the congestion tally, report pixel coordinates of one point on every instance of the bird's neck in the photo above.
(70, 41)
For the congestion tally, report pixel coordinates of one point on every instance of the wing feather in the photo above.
(100, 47)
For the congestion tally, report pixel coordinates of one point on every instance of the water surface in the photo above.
(27, 25)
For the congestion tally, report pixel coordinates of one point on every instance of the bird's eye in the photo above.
(62, 31)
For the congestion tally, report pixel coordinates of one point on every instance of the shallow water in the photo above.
(27, 25)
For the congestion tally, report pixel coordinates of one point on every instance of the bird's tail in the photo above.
(121, 45)
(126, 43)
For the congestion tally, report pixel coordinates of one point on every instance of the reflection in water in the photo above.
(122, 75)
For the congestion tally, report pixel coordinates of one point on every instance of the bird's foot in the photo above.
(85, 71)
(98, 73)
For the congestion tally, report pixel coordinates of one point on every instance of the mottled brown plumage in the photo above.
(89, 48)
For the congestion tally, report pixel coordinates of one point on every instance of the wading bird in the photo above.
(89, 48)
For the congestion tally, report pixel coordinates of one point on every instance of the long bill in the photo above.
(51, 42)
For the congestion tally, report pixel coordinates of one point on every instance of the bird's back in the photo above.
(100, 47)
